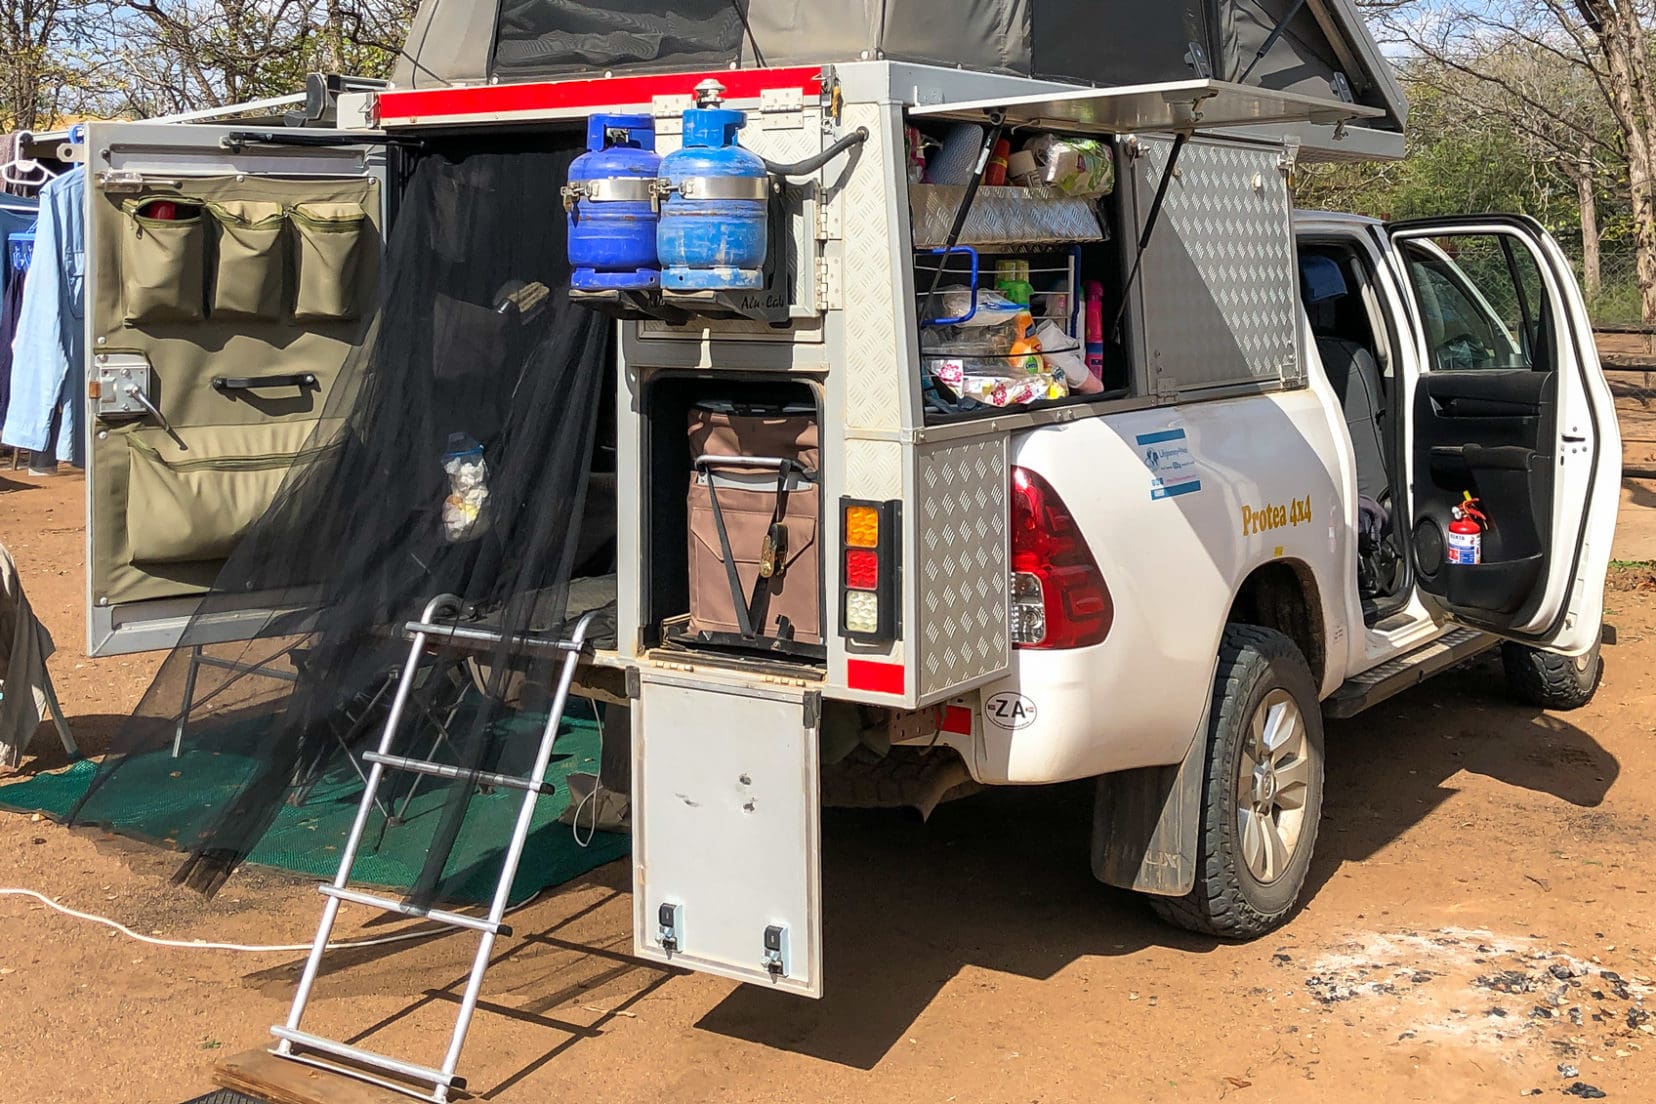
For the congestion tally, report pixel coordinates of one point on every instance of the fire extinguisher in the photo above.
(1466, 531)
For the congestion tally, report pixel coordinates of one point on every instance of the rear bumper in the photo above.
(1077, 713)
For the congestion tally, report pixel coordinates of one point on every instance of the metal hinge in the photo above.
(669, 113)
(828, 283)
(782, 109)
(1293, 372)
(1342, 88)
(828, 225)
(1288, 163)
(120, 181)
(1167, 389)
(1196, 57)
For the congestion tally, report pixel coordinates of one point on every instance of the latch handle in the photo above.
(137, 395)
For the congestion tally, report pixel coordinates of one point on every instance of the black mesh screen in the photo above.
(475, 341)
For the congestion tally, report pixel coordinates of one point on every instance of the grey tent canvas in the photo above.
(1323, 48)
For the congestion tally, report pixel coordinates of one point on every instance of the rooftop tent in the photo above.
(1324, 50)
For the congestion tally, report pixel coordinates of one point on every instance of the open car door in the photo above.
(230, 271)
(1510, 407)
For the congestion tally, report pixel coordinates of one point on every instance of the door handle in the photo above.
(301, 380)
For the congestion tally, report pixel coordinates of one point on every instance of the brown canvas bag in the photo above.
(755, 564)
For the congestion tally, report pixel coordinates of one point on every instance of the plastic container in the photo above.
(994, 173)
(612, 213)
(1012, 281)
(714, 227)
(1095, 329)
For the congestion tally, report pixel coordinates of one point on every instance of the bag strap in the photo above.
(760, 604)
(744, 619)
(749, 610)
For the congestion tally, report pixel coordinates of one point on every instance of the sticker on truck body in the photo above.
(1172, 467)
(1009, 711)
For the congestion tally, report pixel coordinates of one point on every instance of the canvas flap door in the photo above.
(228, 275)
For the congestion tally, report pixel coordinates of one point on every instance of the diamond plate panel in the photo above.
(873, 376)
(873, 469)
(1219, 279)
(1001, 217)
(960, 561)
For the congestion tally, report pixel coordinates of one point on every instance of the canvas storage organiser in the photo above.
(755, 510)
(250, 272)
(196, 503)
(163, 260)
(330, 260)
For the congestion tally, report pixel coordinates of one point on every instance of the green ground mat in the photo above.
(164, 800)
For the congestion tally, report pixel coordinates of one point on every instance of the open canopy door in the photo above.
(1170, 106)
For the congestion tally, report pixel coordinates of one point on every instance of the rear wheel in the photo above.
(1262, 790)
(1551, 681)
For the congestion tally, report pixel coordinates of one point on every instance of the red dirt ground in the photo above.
(1468, 845)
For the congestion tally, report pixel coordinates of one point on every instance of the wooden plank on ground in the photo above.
(283, 1081)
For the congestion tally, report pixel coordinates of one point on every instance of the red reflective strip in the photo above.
(956, 719)
(876, 678)
(507, 99)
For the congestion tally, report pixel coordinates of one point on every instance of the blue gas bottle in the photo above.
(714, 226)
(612, 205)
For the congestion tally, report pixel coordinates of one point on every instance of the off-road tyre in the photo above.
(1228, 900)
(1547, 680)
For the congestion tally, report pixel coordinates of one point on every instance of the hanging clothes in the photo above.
(25, 646)
(47, 384)
(17, 219)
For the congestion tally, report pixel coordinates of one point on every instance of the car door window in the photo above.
(1482, 302)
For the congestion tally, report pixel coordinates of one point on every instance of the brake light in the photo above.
(869, 595)
(1058, 598)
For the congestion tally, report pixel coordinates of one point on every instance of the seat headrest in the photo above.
(1321, 279)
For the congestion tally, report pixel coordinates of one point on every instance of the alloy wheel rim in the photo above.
(1272, 785)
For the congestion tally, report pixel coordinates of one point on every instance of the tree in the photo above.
(186, 55)
(38, 41)
(1554, 70)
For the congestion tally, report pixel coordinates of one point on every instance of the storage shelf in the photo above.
(1002, 217)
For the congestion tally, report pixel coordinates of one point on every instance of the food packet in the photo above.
(464, 510)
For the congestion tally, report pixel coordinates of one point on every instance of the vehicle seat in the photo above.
(1352, 371)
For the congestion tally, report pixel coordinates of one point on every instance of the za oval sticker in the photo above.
(1010, 711)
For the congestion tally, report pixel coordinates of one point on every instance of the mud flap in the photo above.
(1146, 824)
(727, 831)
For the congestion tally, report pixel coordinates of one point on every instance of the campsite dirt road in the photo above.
(1468, 847)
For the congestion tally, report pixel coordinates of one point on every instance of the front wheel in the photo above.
(1262, 790)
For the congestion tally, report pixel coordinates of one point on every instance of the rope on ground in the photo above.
(200, 945)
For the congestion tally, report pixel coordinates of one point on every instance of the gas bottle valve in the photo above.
(709, 93)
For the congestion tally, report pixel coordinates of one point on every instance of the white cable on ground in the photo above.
(198, 945)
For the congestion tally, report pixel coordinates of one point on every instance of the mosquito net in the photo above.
(453, 458)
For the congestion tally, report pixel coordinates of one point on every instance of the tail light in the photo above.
(869, 595)
(1059, 598)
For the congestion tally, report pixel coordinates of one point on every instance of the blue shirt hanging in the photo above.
(48, 353)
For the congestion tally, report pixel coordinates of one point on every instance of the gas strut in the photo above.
(1150, 221)
(812, 164)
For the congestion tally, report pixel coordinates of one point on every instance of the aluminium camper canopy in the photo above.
(1317, 48)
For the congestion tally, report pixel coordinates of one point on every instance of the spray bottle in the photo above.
(1095, 329)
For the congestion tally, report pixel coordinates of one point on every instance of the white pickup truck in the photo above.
(1450, 358)
(1163, 581)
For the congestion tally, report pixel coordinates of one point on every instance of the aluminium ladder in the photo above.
(294, 1043)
